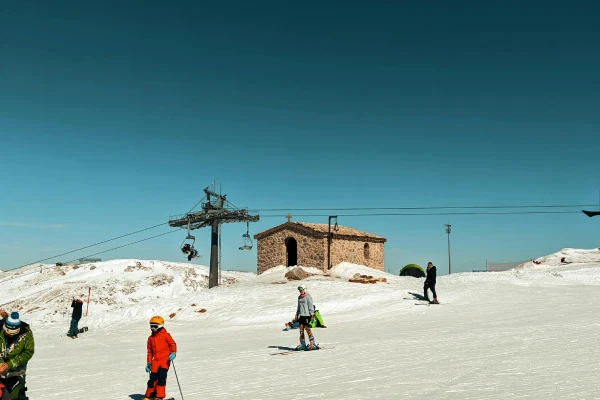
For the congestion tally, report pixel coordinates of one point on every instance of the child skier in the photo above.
(161, 351)
(304, 315)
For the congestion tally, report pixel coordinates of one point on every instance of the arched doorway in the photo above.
(291, 250)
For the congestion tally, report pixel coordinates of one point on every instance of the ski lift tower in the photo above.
(216, 210)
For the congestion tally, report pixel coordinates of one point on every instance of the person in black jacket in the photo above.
(430, 282)
(77, 306)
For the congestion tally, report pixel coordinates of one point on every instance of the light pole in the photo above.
(329, 234)
(448, 227)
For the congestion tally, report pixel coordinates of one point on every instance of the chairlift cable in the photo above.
(91, 245)
(125, 245)
(351, 215)
(425, 214)
(421, 208)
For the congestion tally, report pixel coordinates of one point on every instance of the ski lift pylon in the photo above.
(247, 246)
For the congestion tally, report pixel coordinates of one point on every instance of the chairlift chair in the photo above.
(188, 248)
(247, 246)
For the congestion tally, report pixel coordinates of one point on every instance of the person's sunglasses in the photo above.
(154, 326)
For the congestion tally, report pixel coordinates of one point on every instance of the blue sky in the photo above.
(114, 117)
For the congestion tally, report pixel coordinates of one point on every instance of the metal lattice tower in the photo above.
(216, 210)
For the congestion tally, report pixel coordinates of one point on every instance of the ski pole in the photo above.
(174, 370)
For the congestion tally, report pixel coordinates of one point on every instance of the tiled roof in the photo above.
(342, 230)
(322, 228)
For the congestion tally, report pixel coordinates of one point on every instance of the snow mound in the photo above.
(569, 255)
(572, 256)
(346, 270)
(277, 274)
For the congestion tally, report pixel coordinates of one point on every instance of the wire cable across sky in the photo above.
(334, 210)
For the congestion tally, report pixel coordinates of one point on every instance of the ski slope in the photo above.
(525, 333)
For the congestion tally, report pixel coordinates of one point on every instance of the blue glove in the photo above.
(172, 356)
(148, 367)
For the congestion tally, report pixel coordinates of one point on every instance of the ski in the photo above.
(426, 304)
(299, 351)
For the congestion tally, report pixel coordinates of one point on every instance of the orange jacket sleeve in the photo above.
(171, 343)
(149, 356)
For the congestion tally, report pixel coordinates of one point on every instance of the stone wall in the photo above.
(353, 251)
(271, 250)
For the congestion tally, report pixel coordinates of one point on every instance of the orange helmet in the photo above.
(157, 319)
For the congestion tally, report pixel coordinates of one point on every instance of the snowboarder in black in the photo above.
(430, 282)
(77, 306)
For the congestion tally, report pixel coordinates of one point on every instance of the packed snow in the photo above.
(530, 332)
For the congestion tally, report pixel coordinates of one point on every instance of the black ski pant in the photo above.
(157, 383)
(430, 286)
(74, 329)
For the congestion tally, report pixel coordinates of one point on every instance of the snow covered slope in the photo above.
(43, 293)
(570, 256)
(513, 334)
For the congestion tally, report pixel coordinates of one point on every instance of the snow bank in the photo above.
(346, 270)
(277, 274)
(570, 255)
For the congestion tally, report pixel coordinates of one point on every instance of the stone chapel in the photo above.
(306, 244)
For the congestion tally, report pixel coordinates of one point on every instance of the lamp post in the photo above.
(329, 236)
(448, 227)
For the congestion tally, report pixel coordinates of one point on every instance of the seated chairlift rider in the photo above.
(188, 248)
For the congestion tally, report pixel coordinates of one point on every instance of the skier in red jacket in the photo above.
(161, 351)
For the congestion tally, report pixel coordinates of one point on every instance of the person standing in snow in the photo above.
(16, 349)
(304, 315)
(430, 282)
(161, 351)
(77, 306)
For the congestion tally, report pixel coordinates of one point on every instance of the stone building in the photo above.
(303, 243)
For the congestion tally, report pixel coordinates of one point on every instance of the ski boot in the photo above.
(302, 346)
(312, 346)
(435, 301)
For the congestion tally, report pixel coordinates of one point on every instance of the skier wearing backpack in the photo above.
(304, 315)
(161, 351)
